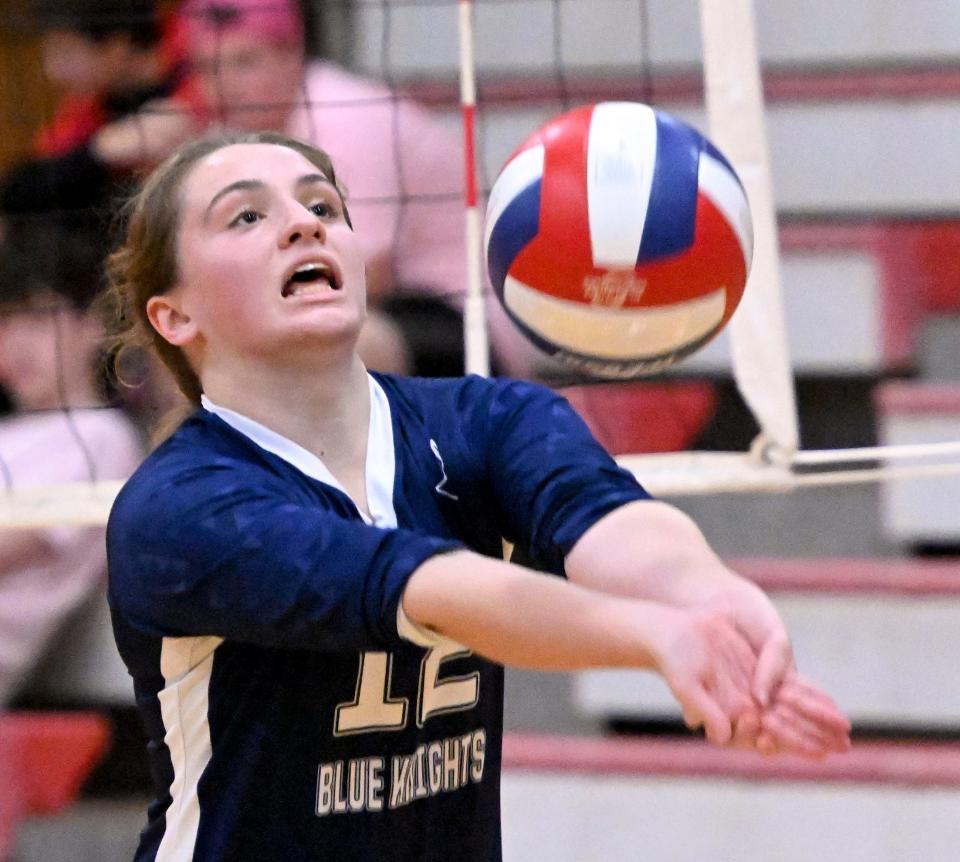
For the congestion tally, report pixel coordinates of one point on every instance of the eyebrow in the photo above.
(255, 185)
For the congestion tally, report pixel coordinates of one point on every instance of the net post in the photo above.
(476, 348)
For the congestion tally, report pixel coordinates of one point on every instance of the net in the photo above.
(491, 71)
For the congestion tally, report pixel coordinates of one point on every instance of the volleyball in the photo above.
(618, 239)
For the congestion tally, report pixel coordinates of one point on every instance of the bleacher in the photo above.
(862, 101)
(919, 514)
(571, 799)
(864, 114)
(879, 634)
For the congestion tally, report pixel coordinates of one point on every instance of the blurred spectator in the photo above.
(60, 432)
(125, 105)
(402, 168)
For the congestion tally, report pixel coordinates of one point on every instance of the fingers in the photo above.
(728, 677)
(725, 681)
(737, 660)
(751, 701)
(804, 720)
(773, 664)
(807, 700)
(700, 709)
(787, 736)
(746, 730)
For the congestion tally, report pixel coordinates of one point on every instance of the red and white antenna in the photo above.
(476, 349)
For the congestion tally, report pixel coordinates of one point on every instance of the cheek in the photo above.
(70, 69)
(31, 348)
(221, 286)
(353, 258)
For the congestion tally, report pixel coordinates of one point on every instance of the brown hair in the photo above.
(145, 264)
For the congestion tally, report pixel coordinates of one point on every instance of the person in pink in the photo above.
(59, 432)
(402, 168)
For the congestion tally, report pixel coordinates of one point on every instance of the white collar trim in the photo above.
(380, 467)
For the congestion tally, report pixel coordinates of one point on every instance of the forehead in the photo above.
(208, 45)
(272, 164)
(61, 39)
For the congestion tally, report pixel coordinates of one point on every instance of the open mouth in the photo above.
(311, 278)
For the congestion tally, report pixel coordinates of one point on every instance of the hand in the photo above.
(793, 716)
(753, 614)
(145, 138)
(709, 667)
(802, 720)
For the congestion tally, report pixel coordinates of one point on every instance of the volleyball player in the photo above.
(305, 578)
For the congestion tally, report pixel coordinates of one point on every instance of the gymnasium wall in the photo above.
(607, 32)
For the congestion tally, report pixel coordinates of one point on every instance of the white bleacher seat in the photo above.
(847, 340)
(604, 33)
(869, 166)
(920, 511)
(855, 626)
(578, 800)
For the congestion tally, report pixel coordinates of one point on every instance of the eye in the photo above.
(324, 209)
(247, 216)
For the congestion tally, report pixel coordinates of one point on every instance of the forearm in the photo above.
(518, 617)
(650, 550)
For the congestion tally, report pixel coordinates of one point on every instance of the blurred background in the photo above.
(863, 118)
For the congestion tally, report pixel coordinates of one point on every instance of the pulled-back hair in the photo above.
(145, 264)
(99, 20)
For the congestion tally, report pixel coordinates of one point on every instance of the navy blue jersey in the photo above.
(293, 712)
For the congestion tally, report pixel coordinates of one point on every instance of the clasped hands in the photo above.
(729, 663)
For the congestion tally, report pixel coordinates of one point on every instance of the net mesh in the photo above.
(532, 60)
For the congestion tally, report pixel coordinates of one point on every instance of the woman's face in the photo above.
(80, 65)
(267, 262)
(46, 352)
(249, 82)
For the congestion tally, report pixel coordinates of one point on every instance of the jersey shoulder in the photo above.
(203, 449)
(458, 396)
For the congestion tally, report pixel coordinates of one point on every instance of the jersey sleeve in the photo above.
(551, 478)
(208, 550)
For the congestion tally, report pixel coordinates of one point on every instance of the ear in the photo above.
(169, 319)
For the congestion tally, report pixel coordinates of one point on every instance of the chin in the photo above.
(329, 334)
(254, 119)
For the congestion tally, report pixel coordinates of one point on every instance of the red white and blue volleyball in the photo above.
(618, 239)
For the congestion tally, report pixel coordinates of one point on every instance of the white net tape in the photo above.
(761, 361)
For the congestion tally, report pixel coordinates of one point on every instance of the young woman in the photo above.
(401, 164)
(305, 578)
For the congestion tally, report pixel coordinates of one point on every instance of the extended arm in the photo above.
(651, 550)
(523, 618)
(572, 510)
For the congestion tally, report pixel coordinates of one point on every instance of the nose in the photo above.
(301, 224)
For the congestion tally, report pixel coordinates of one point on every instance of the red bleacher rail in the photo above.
(918, 261)
(909, 764)
(902, 397)
(853, 575)
(44, 760)
(780, 84)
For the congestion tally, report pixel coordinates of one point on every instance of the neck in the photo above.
(323, 408)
